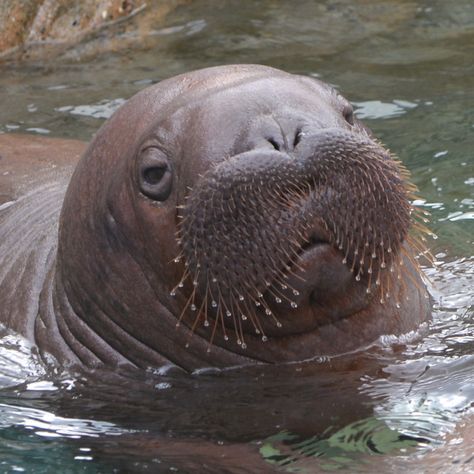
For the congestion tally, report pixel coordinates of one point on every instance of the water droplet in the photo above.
(279, 325)
(244, 318)
(208, 350)
(344, 261)
(198, 265)
(195, 282)
(244, 346)
(357, 277)
(259, 295)
(206, 323)
(296, 292)
(257, 331)
(389, 250)
(368, 291)
(374, 255)
(369, 271)
(398, 305)
(214, 280)
(177, 260)
(214, 304)
(228, 313)
(278, 300)
(257, 303)
(293, 304)
(239, 342)
(186, 345)
(178, 324)
(264, 338)
(383, 265)
(180, 284)
(226, 337)
(241, 298)
(267, 311)
(377, 282)
(284, 287)
(173, 293)
(193, 307)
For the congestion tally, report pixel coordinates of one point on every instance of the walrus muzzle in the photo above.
(248, 220)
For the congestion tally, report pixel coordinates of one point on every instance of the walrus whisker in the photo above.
(415, 264)
(239, 328)
(285, 275)
(254, 319)
(185, 308)
(181, 283)
(198, 316)
(213, 334)
(278, 295)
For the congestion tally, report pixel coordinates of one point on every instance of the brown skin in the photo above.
(105, 295)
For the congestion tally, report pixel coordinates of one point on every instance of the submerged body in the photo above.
(222, 217)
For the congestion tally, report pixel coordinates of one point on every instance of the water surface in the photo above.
(408, 68)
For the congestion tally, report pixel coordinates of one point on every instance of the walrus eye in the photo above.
(155, 175)
(348, 113)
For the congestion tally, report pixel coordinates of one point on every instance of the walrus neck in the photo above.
(76, 329)
(60, 332)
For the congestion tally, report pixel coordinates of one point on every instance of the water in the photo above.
(406, 404)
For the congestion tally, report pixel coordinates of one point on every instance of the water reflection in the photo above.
(408, 68)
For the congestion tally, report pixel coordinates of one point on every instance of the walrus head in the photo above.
(248, 207)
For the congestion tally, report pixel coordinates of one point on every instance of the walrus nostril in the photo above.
(274, 143)
(348, 113)
(298, 136)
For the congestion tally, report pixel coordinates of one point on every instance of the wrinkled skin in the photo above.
(108, 293)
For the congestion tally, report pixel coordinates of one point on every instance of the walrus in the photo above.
(231, 215)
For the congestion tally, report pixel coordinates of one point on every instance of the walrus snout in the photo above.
(316, 229)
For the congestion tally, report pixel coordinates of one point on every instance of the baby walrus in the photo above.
(221, 217)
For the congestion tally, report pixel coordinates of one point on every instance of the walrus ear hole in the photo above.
(155, 175)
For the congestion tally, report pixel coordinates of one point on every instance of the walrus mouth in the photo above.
(250, 221)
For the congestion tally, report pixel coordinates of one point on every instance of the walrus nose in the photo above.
(281, 134)
(286, 142)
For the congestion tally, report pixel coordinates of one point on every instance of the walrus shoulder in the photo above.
(33, 177)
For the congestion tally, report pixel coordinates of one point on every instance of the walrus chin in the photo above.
(268, 236)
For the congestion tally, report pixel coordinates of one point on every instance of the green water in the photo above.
(408, 67)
